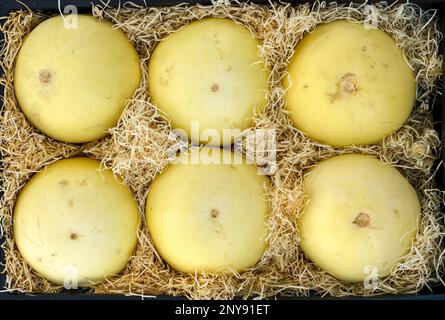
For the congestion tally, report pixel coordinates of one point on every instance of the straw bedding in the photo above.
(141, 146)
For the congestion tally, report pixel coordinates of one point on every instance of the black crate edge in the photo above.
(437, 292)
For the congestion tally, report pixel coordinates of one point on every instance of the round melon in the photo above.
(208, 77)
(206, 216)
(348, 85)
(360, 217)
(75, 224)
(72, 83)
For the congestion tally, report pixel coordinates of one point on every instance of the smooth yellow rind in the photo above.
(180, 205)
(72, 216)
(209, 72)
(72, 84)
(340, 189)
(343, 55)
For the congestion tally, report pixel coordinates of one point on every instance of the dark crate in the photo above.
(437, 292)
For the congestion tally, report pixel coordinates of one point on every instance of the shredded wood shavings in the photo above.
(141, 145)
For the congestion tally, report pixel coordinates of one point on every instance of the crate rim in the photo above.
(7, 6)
